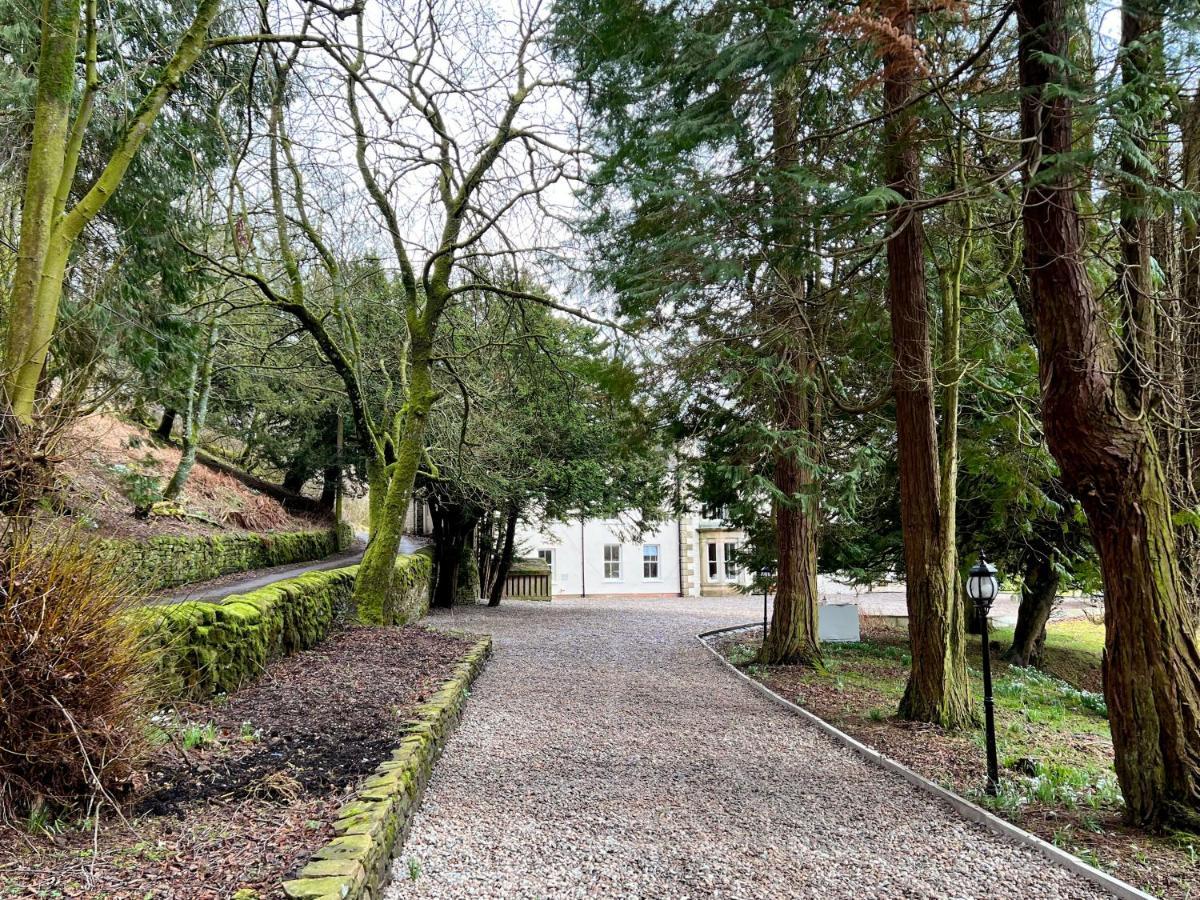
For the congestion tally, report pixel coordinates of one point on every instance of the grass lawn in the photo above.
(1052, 730)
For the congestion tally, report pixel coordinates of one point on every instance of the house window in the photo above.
(650, 562)
(612, 562)
(714, 560)
(546, 555)
(731, 567)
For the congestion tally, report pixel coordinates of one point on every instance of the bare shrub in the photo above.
(27, 462)
(73, 678)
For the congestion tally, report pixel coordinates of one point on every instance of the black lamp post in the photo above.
(982, 588)
(762, 577)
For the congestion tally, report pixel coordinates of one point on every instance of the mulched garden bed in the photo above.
(247, 807)
(1056, 755)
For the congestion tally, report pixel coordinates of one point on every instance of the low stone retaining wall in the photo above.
(371, 829)
(172, 560)
(201, 649)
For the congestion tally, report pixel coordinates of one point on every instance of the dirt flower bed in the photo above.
(242, 790)
(1054, 743)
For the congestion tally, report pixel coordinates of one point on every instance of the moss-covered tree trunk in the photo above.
(49, 229)
(377, 483)
(937, 689)
(1109, 460)
(44, 171)
(373, 600)
(466, 589)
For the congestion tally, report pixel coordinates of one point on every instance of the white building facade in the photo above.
(591, 557)
(689, 556)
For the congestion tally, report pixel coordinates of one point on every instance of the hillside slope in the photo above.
(109, 467)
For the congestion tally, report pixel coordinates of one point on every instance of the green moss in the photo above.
(372, 827)
(202, 649)
(170, 560)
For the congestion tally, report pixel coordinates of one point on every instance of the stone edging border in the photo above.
(962, 806)
(372, 827)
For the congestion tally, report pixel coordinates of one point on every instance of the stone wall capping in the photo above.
(372, 827)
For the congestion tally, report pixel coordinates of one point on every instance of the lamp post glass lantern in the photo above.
(982, 588)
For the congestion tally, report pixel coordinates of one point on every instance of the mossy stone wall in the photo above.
(171, 560)
(201, 649)
(371, 829)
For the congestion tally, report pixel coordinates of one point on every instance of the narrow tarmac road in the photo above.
(603, 753)
(242, 583)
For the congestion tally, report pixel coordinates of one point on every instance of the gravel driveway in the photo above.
(604, 754)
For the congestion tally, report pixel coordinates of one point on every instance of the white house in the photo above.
(689, 556)
(587, 557)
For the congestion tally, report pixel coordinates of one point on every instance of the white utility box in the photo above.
(838, 622)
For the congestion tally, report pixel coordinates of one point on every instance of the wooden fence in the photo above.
(528, 580)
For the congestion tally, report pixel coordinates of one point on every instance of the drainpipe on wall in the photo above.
(582, 559)
(679, 550)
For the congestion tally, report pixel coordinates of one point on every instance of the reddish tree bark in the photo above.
(937, 689)
(793, 634)
(1108, 458)
(792, 637)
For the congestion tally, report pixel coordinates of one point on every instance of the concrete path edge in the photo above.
(961, 805)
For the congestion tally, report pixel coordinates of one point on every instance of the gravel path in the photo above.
(604, 754)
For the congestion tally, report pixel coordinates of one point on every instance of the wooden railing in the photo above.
(528, 580)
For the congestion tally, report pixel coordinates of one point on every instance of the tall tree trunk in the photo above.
(49, 230)
(451, 531)
(793, 635)
(373, 600)
(44, 172)
(331, 477)
(500, 576)
(467, 591)
(1109, 460)
(1140, 58)
(937, 690)
(196, 414)
(491, 545)
(1037, 602)
(1185, 469)
(449, 558)
(950, 376)
(377, 483)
